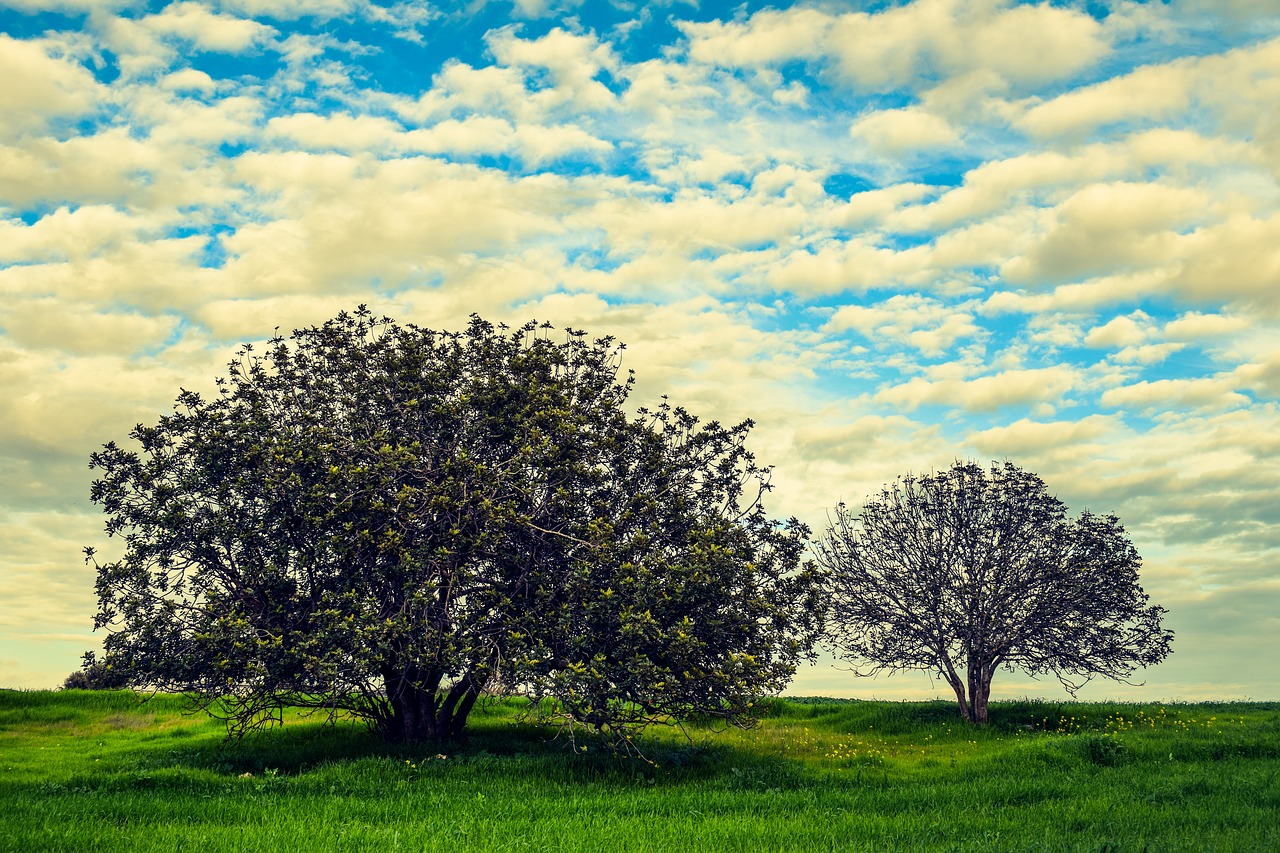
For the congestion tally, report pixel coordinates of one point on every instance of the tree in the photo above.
(967, 570)
(95, 675)
(382, 520)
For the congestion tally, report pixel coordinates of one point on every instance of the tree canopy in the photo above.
(964, 571)
(382, 520)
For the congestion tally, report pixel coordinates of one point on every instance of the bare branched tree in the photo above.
(964, 571)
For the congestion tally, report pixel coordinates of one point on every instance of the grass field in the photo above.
(84, 771)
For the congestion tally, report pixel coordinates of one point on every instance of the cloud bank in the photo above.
(930, 230)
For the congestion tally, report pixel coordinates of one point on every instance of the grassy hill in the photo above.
(83, 771)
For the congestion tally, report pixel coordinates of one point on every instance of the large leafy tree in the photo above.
(382, 520)
(964, 571)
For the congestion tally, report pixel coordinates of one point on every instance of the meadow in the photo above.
(86, 771)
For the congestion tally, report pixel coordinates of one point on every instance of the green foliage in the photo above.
(1104, 750)
(385, 521)
(102, 771)
(96, 675)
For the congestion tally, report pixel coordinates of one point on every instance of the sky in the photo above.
(893, 234)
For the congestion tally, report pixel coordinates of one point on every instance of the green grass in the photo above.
(86, 771)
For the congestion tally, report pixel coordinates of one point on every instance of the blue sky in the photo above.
(894, 234)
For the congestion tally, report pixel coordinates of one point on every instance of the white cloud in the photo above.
(1001, 184)
(1119, 332)
(285, 10)
(179, 122)
(1027, 438)
(114, 167)
(68, 5)
(47, 323)
(1237, 259)
(1148, 93)
(1026, 43)
(189, 79)
(986, 243)
(1262, 377)
(336, 132)
(1109, 228)
(1086, 296)
(572, 61)
(707, 167)
(64, 234)
(458, 87)
(768, 37)
(539, 144)
(794, 94)
(1028, 185)
(39, 87)
(59, 405)
(539, 8)
(1195, 326)
(1241, 10)
(339, 222)
(834, 454)
(1204, 394)
(895, 131)
(207, 30)
(985, 393)
(472, 135)
(669, 97)
(692, 222)
(406, 18)
(878, 204)
(102, 168)
(1146, 353)
(533, 143)
(1233, 85)
(253, 318)
(1234, 262)
(855, 265)
(36, 581)
(917, 321)
(1022, 44)
(906, 44)
(146, 274)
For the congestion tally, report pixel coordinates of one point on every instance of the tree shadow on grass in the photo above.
(497, 744)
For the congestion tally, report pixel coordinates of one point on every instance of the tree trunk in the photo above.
(464, 708)
(979, 692)
(451, 717)
(961, 700)
(413, 707)
(418, 712)
(953, 678)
